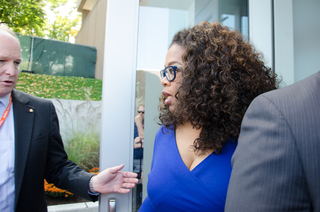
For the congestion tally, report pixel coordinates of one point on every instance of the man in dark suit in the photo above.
(276, 166)
(31, 148)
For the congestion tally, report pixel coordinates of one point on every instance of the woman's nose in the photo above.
(165, 81)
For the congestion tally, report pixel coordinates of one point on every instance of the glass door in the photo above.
(159, 20)
(138, 35)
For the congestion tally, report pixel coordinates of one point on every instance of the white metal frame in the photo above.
(118, 93)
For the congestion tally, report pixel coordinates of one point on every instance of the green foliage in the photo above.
(83, 148)
(54, 4)
(49, 86)
(23, 16)
(28, 17)
(63, 27)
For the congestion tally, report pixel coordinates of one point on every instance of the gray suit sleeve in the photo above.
(267, 171)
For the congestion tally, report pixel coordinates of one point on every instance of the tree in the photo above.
(28, 17)
(66, 24)
(54, 4)
(63, 28)
(23, 16)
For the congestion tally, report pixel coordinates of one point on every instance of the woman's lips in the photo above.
(168, 98)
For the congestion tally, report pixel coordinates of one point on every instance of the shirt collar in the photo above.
(5, 99)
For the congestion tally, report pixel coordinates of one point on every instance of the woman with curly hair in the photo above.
(210, 77)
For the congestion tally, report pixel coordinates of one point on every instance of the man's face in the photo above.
(10, 58)
(141, 108)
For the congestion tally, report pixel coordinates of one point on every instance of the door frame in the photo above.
(118, 93)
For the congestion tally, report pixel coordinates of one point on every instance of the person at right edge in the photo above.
(276, 166)
(211, 75)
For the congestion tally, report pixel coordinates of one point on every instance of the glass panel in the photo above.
(234, 14)
(159, 20)
(138, 138)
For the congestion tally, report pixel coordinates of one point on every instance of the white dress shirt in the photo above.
(7, 187)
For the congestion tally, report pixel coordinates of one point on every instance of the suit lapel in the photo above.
(23, 125)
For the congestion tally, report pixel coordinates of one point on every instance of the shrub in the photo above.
(83, 148)
(53, 191)
(94, 170)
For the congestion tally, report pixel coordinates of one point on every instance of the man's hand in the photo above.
(138, 143)
(112, 180)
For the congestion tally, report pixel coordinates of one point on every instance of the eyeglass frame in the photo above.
(141, 111)
(163, 73)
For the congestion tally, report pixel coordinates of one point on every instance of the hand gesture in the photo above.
(112, 180)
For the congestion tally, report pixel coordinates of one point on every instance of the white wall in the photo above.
(77, 115)
(178, 20)
(260, 28)
(283, 41)
(306, 34)
(296, 35)
(157, 26)
(152, 38)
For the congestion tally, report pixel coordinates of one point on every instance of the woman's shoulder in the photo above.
(165, 130)
(164, 136)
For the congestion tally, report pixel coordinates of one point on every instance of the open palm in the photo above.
(112, 180)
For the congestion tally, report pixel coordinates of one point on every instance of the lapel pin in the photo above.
(31, 110)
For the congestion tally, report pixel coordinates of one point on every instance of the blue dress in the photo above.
(173, 187)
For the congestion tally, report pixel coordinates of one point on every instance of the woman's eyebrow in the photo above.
(173, 62)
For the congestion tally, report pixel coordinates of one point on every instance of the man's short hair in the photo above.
(8, 30)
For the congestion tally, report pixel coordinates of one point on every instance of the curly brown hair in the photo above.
(222, 74)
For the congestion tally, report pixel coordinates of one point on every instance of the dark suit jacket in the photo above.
(39, 155)
(276, 166)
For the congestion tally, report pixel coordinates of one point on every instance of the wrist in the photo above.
(91, 188)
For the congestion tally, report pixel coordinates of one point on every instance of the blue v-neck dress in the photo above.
(173, 187)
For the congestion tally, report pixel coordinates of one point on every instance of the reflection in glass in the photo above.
(138, 138)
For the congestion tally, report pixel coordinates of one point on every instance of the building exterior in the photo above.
(284, 25)
(93, 27)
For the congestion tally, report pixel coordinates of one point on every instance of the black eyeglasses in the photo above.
(141, 111)
(169, 72)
